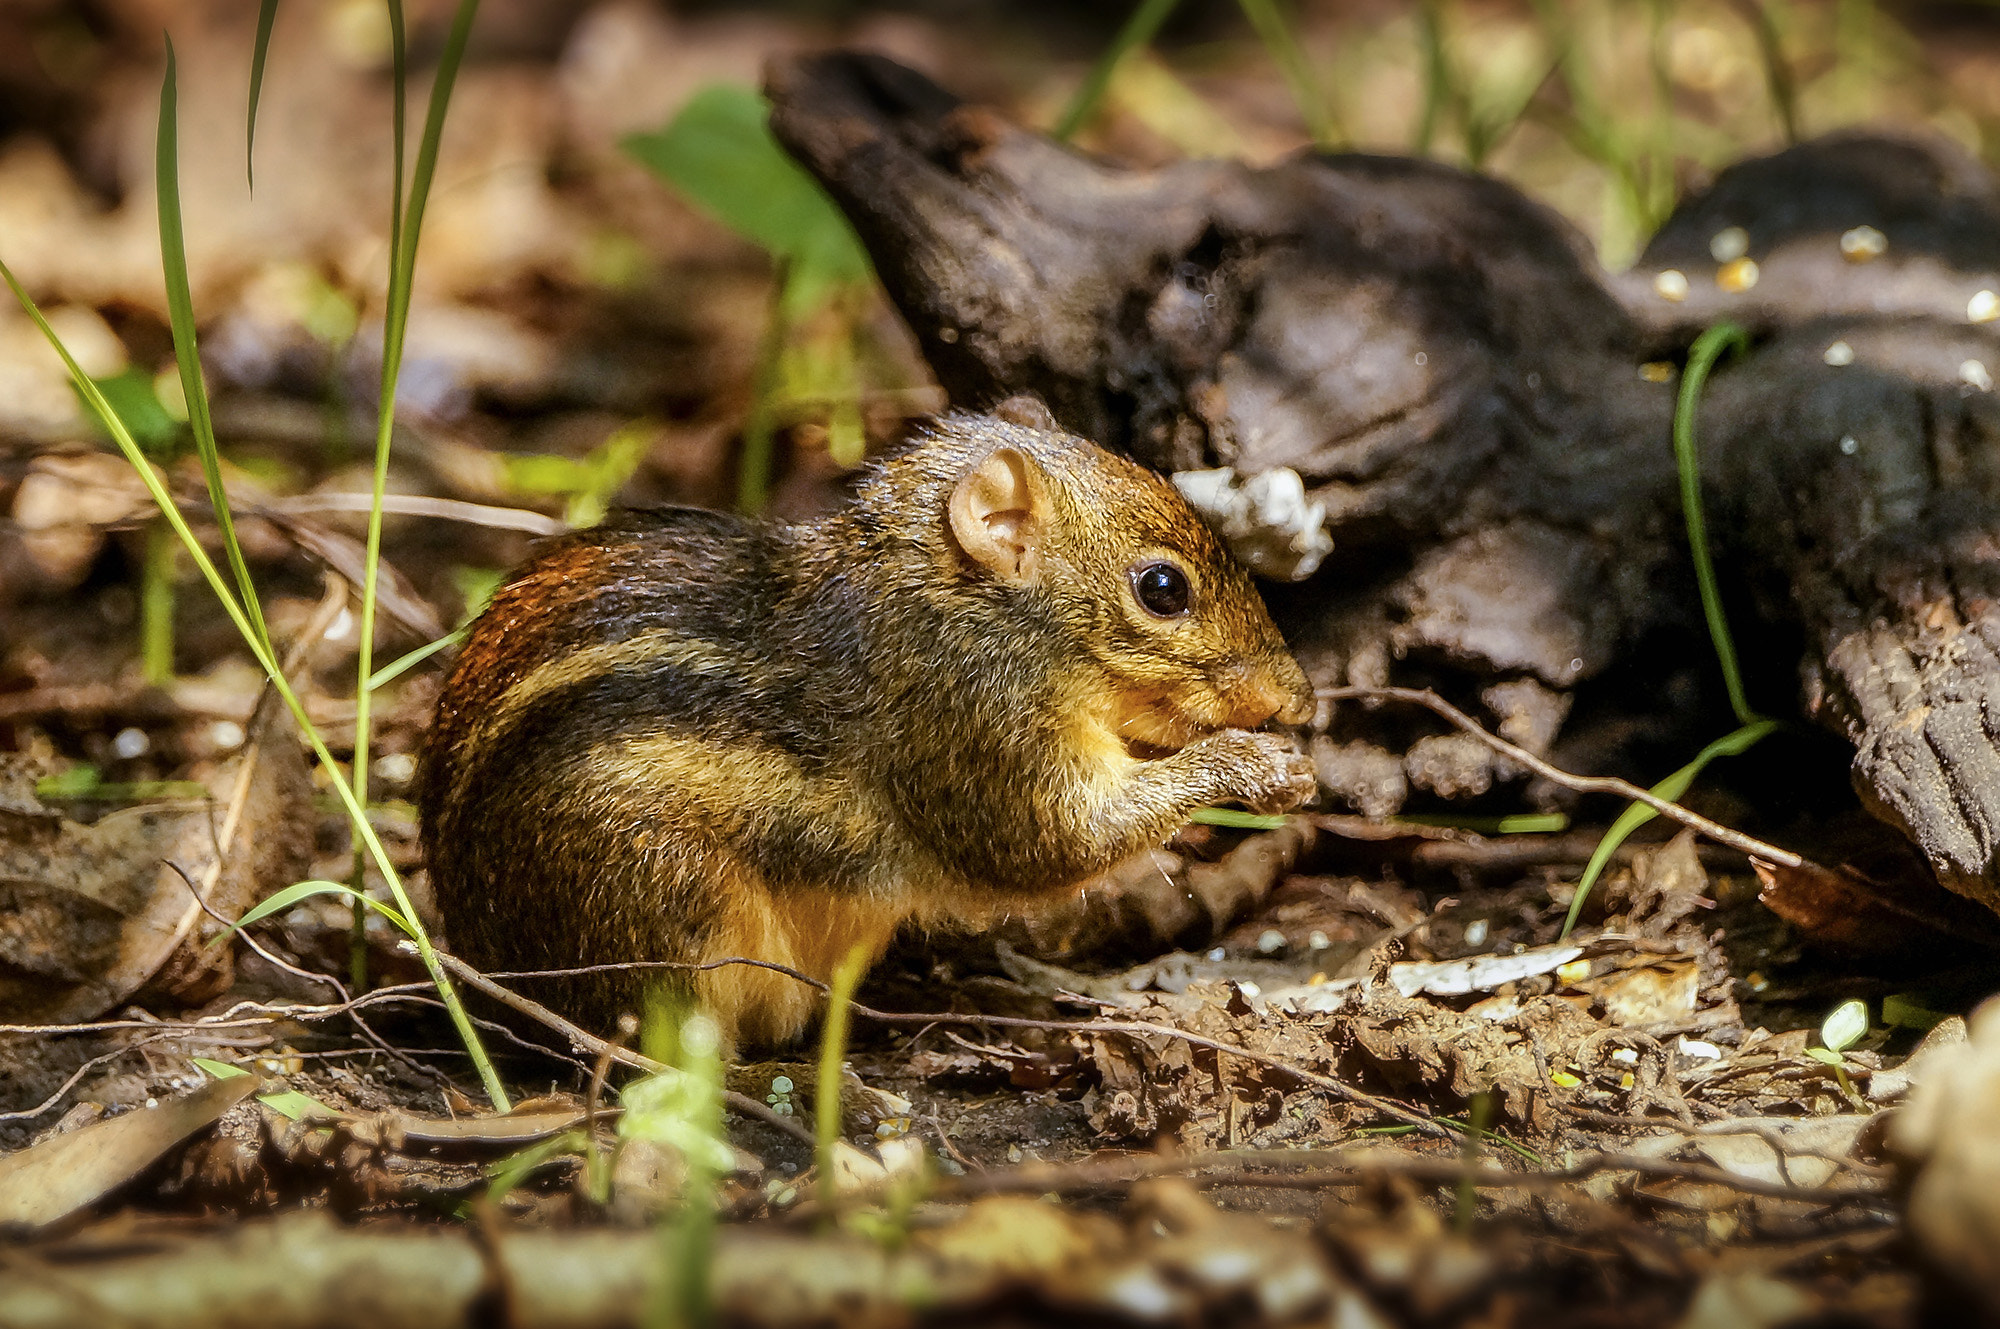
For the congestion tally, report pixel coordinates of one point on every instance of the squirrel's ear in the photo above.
(1028, 411)
(1000, 515)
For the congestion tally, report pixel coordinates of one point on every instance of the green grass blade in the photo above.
(1708, 348)
(399, 70)
(268, 662)
(832, 1052)
(156, 604)
(1438, 94)
(306, 890)
(1779, 81)
(403, 664)
(1283, 44)
(1139, 30)
(267, 14)
(180, 313)
(1732, 744)
(1236, 819)
(396, 318)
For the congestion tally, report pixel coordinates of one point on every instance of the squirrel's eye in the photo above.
(1162, 589)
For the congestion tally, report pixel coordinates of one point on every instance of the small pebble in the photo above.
(396, 767)
(1270, 941)
(1838, 354)
(1625, 1056)
(1216, 954)
(1729, 244)
(781, 1084)
(1249, 989)
(1475, 932)
(1700, 1050)
(1862, 244)
(1737, 275)
(1657, 371)
(1318, 940)
(1671, 285)
(131, 743)
(1983, 307)
(1974, 373)
(1423, 359)
(224, 735)
(342, 627)
(1849, 445)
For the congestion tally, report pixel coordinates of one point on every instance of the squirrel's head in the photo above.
(1167, 624)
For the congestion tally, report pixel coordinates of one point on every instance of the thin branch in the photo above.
(1583, 784)
(741, 1104)
(1346, 1093)
(1226, 1169)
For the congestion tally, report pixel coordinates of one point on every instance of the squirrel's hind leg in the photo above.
(810, 931)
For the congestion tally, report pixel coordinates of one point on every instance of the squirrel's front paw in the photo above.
(1270, 775)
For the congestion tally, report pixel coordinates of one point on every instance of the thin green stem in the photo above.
(267, 660)
(1779, 81)
(405, 231)
(753, 468)
(832, 1052)
(1437, 74)
(1707, 349)
(156, 604)
(187, 354)
(1139, 30)
(1283, 44)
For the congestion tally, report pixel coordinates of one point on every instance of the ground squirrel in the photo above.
(1010, 661)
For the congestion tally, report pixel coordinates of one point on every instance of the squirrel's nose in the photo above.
(1276, 687)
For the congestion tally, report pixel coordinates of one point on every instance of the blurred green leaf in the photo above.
(719, 152)
(131, 394)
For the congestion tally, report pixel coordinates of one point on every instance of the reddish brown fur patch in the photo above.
(514, 637)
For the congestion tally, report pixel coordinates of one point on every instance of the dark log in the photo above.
(1454, 378)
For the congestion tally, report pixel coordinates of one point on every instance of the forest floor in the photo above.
(1344, 1071)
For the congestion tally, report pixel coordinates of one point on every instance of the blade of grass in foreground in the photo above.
(268, 662)
(180, 313)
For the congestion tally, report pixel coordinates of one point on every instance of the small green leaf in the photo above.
(1846, 1026)
(79, 781)
(720, 153)
(131, 394)
(219, 1070)
(295, 1106)
(675, 1108)
(1905, 1010)
(1821, 1054)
